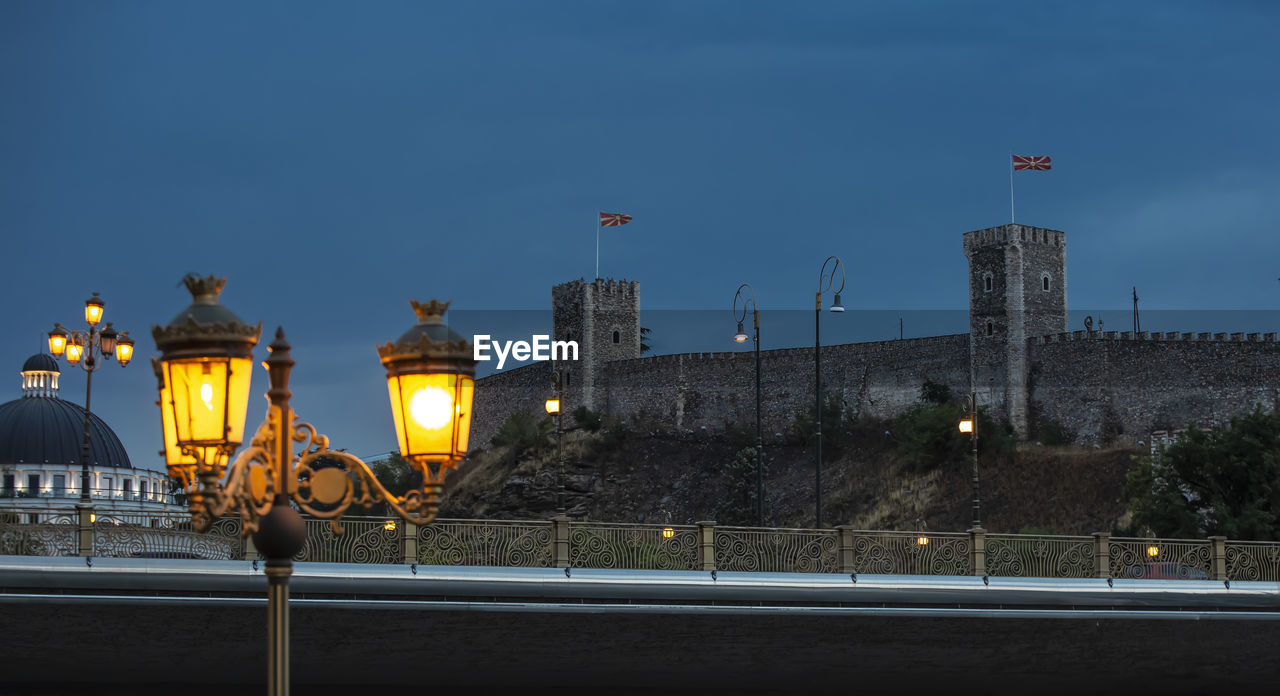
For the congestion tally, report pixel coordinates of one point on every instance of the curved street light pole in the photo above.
(741, 337)
(829, 280)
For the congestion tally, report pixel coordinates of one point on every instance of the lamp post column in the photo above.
(817, 408)
(84, 443)
(759, 433)
(281, 532)
(973, 440)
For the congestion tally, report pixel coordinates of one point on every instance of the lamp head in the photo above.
(93, 309)
(204, 372)
(741, 336)
(836, 307)
(107, 339)
(431, 381)
(75, 350)
(124, 348)
(966, 426)
(57, 340)
(553, 406)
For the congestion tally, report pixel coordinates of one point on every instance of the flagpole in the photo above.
(597, 245)
(1011, 217)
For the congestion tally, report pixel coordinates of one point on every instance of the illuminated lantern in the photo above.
(58, 340)
(431, 381)
(204, 373)
(93, 309)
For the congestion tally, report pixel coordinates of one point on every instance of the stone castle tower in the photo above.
(603, 316)
(1017, 291)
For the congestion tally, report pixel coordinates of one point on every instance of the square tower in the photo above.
(1017, 291)
(603, 316)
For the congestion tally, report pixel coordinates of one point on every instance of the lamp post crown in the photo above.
(429, 339)
(204, 290)
(206, 321)
(430, 312)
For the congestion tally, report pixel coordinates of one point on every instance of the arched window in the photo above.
(617, 337)
(1044, 282)
(986, 282)
(990, 328)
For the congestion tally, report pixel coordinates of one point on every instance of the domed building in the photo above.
(41, 442)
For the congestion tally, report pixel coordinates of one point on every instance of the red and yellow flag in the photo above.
(1034, 163)
(614, 219)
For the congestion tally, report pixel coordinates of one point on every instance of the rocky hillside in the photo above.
(622, 476)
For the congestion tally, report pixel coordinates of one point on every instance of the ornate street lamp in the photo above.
(826, 282)
(90, 349)
(970, 425)
(741, 337)
(204, 377)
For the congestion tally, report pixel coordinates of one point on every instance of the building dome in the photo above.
(42, 428)
(41, 362)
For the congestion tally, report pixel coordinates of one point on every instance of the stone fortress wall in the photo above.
(1020, 360)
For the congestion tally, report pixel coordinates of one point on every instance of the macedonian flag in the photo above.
(614, 219)
(1035, 163)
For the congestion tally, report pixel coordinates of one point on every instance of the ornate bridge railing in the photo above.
(704, 546)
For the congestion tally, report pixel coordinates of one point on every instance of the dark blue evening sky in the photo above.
(335, 159)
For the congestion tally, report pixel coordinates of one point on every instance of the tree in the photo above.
(644, 340)
(523, 432)
(1223, 483)
(397, 475)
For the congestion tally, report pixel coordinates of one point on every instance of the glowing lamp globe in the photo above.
(58, 340)
(966, 426)
(93, 309)
(204, 373)
(431, 383)
(741, 336)
(75, 351)
(124, 348)
(553, 406)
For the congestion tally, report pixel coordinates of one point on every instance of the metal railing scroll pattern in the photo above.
(486, 543)
(1253, 560)
(632, 546)
(362, 541)
(777, 550)
(1176, 559)
(902, 553)
(165, 535)
(54, 535)
(1026, 556)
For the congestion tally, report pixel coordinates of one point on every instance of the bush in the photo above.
(835, 427)
(932, 392)
(928, 436)
(1053, 433)
(587, 419)
(523, 432)
(738, 507)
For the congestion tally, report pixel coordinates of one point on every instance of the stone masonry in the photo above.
(1017, 356)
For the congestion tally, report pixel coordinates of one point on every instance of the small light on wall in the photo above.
(93, 518)
(668, 532)
(389, 525)
(1153, 551)
(922, 540)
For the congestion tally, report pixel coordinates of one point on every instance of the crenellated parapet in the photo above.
(1157, 336)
